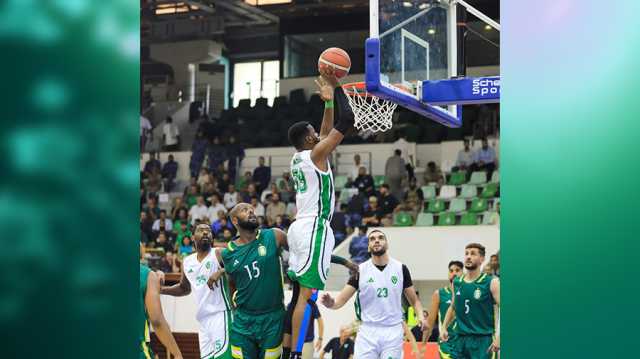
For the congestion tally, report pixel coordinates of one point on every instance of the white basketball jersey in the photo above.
(315, 195)
(380, 293)
(208, 301)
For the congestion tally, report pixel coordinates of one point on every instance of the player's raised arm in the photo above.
(432, 318)
(345, 121)
(495, 292)
(180, 289)
(156, 317)
(326, 83)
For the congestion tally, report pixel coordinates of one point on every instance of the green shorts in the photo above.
(257, 336)
(447, 349)
(473, 347)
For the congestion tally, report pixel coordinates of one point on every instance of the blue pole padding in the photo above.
(305, 322)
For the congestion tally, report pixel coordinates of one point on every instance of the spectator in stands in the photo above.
(178, 204)
(465, 157)
(340, 347)
(493, 267)
(261, 175)
(209, 191)
(291, 209)
(226, 237)
(339, 224)
(198, 150)
(433, 174)
(364, 182)
(244, 181)
(359, 246)
(216, 154)
(152, 163)
(154, 181)
(162, 224)
(146, 135)
(395, 173)
(355, 209)
(145, 228)
(373, 214)
(183, 217)
(220, 224)
(266, 194)
(163, 242)
(169, 173)
(411, 207)
(484, 159)
(170, 135)
(248, 193)
(198, 211)
(274, 208)
(203, 177)
(404, 146)
(152, 208)
(413, 193)
(286, 187)
(388, 201)
(182, 232)
(279, 223)
(354, 170)
(232, 197)
(223, 182)
(215, 207)
(257, 206)
(192, 196)
(262, 222)
(235, 155)
(186, 247)
(169, 263)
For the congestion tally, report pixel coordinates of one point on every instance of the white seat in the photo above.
(447, 192)
(495, 177)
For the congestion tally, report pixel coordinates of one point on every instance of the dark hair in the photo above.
(456, 263)
(385, 186)
(494, 255)
(379, 231)
(163, 211)
(297, 133)
(397, 152)
(477, 246)
(169, 119)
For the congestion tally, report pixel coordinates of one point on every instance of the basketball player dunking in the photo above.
(310, 237)
(380, 284)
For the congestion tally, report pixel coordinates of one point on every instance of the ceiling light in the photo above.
(431, 31)
(407, 4)
(487, 27)
(423, 6)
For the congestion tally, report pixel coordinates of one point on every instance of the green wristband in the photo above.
(328, 104)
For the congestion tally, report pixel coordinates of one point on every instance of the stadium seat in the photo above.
(457, 178)
(402, 219)
(489, 190)
(378, 181)
(424, 220)
(447, 192)
(478, 205)
(469, 191)
(469, 219)
(478, 177)
(346, 194)
(495, 203)
(495, 177)
(429, 192)
(486, 217)
(447, 219)
(435, 206)
(340, 182)
(458, 205)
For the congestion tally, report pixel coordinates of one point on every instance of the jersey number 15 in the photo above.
(255, 273)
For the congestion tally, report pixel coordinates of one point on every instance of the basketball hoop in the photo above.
(371, 113)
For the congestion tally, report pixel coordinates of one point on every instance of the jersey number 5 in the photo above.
(256, 271)
(466, 306)
(299, 181)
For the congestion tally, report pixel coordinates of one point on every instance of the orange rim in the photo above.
(359, 87)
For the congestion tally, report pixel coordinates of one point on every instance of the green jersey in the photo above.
(445, 302)
(256, 270)
(143, 329)
(474, 306)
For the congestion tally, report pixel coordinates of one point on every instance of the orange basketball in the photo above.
(336, 58)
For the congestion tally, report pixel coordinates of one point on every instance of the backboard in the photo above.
(412, 57)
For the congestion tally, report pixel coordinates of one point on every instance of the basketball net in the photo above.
(371, 113)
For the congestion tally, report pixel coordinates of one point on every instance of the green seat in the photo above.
(478, 205)
(402, 219)
(424, 220)
(429, 192)
(469, 191)
(458, 205)
(447, 219)
(489, 190)
(457, 178)
(340, 182)
(378, 181)
(346, 194)
(478, 177)
(435, 206)
(469, 219)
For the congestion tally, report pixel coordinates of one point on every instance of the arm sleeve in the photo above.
(353, 280)
(406, 281)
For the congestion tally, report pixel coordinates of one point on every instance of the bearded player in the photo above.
(440, 302)
(200, 273)
(476, 308)
(311, 240)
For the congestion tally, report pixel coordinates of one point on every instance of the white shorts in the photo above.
(213, 335)
(311, 243)
(379, 342)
